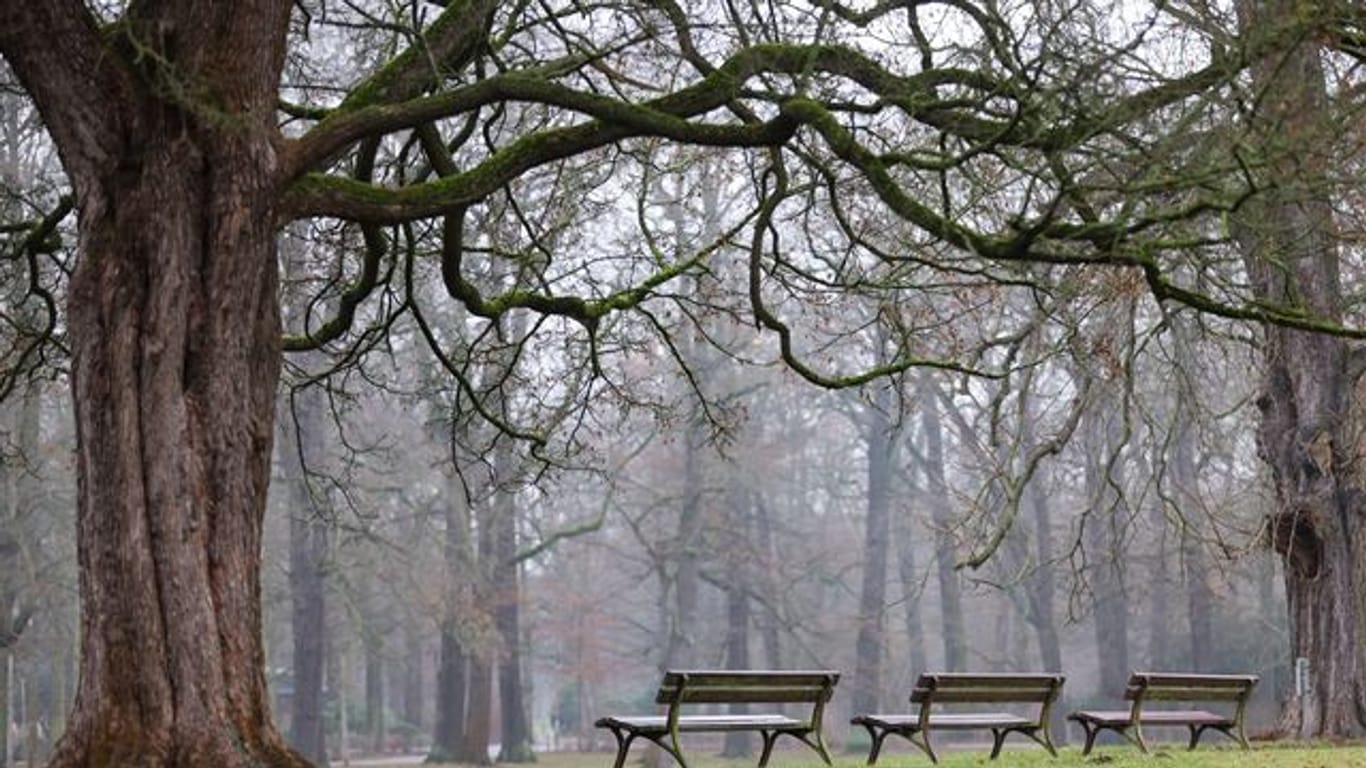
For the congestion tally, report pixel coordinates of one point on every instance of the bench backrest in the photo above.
(711, 686)
(962, 688)
(707, 686)
(1169, 686)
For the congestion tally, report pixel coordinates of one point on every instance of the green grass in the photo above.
(1278, 755)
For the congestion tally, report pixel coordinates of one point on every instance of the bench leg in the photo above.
(674, 748)
(623, 746)
(1090, 737)
(1137, 738)
(1046, 740)
(924, 744)
(876, 737)
(818, 744)
(769, 737)
(998, 738)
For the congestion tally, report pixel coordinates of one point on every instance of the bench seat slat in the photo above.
(696, 723)
(949, 721)
(1120, 717)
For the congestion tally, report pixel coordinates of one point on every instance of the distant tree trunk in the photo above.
(681, 647)
(910, 590)
(20, 463)
(448, 735)
(770, 630)
(413, 668)
(507, 601)
(6, 716)
(1104, 542)
(479, 701)
(1200, 605)
(374, 690)
(452, 681)
(1040, 586)
(308, 556)
(1040, 589)
(738, 743)
(300, 425)
(479, 712)
(879, 438)
(1160, 594)
(941, 511)
(1185, 474)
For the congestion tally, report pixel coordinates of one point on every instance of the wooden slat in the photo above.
(958, 687)
(722, 677)
(1194, 694)
(657, 724)
(1184, 717)
(690, 695)
(747, 686)
(1192, 680)
(947, 720)
(987, 680)
(979, 695)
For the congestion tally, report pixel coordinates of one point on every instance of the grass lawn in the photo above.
(1280, 755)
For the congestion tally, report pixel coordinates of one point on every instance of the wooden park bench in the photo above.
(685, 687)
(1145, 687)
(932, 690)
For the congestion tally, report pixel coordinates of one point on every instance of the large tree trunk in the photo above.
(1311, 404)
(175, 335)
(174, 328)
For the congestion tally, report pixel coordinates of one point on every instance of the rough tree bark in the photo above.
(174, 327)
(1311, 400)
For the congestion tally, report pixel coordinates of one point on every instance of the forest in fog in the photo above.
(619, 337)
(779, 526)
